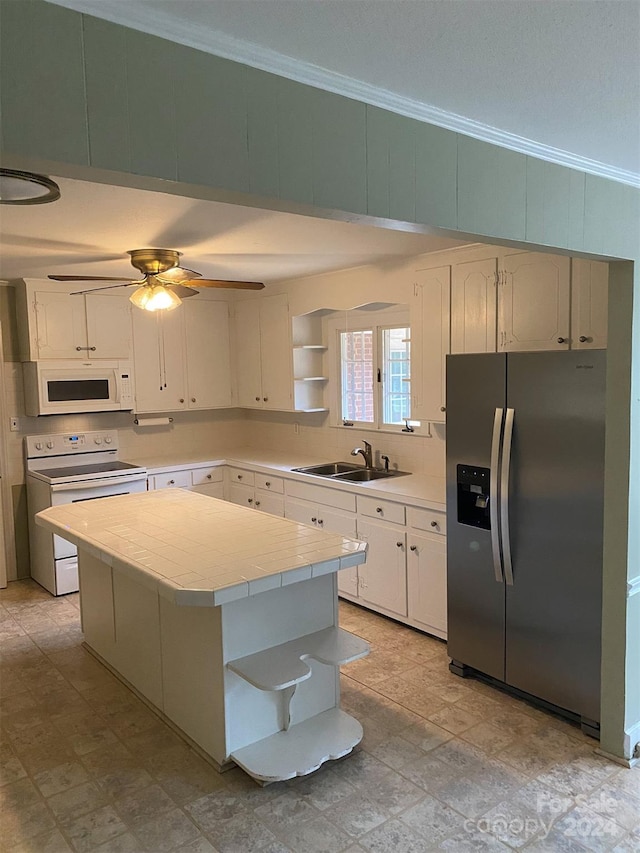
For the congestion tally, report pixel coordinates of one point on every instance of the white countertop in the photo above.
(419, 489)
(198, 550)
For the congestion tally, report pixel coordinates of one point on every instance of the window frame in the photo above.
(377, 322)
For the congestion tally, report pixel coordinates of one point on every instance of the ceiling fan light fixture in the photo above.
(155, 297)
(18, 187)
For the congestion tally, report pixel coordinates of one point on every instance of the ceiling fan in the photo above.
(164, 283)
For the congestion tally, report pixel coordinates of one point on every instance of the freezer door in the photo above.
(476, 598)
(556, 518)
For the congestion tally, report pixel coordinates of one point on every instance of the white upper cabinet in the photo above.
(263, 353)
(208, 354)
(158, 361)
(473, 306)
(533, 306)
(430, 343)
(60, 325)
(589, 295)
(182, 357)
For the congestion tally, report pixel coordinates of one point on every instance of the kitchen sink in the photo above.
(348, 472)
(364, 475)
(329, 469)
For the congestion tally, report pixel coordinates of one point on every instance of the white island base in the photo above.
(187, 662)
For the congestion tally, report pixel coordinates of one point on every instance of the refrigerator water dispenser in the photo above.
(473, 496)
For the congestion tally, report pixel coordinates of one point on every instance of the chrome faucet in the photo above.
(366, 452)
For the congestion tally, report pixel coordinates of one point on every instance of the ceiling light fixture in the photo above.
(17, 187)
(155, 297)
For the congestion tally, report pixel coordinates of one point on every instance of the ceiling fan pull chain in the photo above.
(159, 347)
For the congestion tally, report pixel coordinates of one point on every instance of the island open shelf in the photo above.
(224, 619)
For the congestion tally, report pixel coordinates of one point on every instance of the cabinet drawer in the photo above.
(172, 480)
(318, 494)
(427, 519)
(269, 484)
(202, 476)
(385, 510)
(237, 475)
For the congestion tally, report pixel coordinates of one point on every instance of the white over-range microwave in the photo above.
(67, 387)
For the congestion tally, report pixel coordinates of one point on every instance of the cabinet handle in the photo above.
(182, 399)
(413, 547)
(583, 339)
(208, 476)
(257, 503)
(379, 509)
(266, 399)
(443, 408)
(193, 399)
(313, 519)
(257, 399)
(434, 523)
(93, 349)
(171, 482)
(89, 349)
(399, 544)
(267, 484)
(320, 521)
(562, 340)
(250, 500)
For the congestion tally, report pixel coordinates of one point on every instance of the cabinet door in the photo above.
(108, 326)
(158, 361)
(247, 353)
(267, 502)
(61, 326)
(345, 524)
(305, 512)
(533, 303)
(430, 343)
(207, 354)
(474, 306)
(276, 353)
(427, 582)
(212, 490)
(383, 578)
(242, 495)
(589, 308)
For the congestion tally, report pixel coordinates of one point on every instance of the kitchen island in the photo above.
(224, 619)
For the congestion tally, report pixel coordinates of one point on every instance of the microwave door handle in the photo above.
(95, 484)
(504, 496)
(493, 495)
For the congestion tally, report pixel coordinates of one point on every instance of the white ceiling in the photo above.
(556, 78)
(89, 230)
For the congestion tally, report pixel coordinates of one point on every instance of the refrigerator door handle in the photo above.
(493, 495)
(504, 495)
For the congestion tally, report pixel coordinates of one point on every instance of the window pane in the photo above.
(356, 356)
(396, 373)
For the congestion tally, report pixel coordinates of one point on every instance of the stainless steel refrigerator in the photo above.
(525, 473)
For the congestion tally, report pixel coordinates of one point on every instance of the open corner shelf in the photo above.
(302, 748)
(283, 666)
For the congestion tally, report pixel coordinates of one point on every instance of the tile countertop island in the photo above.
(223, 618)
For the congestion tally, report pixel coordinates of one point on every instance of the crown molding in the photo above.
(158, 23)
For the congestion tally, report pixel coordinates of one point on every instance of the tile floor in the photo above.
(445, 764)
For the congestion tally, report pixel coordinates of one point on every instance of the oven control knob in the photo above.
(98, 440)
(50, 445)
(39, 445)
(107, 439)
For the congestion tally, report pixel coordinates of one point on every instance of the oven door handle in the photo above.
(97, 484)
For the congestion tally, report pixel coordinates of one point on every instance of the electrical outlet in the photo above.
(14, 424)
(296, 429)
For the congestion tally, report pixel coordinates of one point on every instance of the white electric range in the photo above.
(64, 468)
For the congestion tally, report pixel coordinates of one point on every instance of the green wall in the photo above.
(80, 92)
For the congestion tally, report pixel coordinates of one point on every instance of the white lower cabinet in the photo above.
(256, 491)
(427, 582)
(383, 578)
(205, 480)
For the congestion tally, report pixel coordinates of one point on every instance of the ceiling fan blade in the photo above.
(110, 287)
(182, 291)
(86, 278)
(176, 275)
(239, 285)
